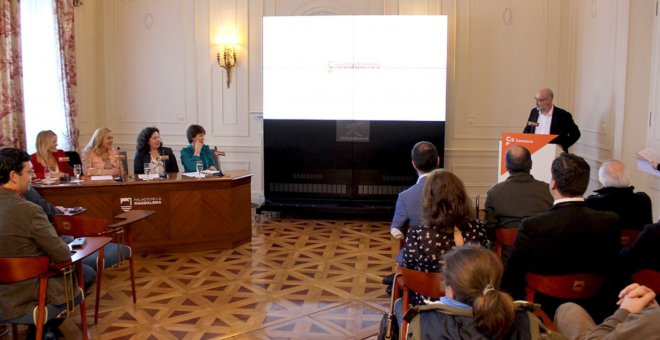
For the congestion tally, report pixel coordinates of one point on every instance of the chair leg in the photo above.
(100, 264)
(14, 331)
(83, 308)
(131, 268)
(41, 307)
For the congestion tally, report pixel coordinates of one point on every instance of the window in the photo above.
(42, 77)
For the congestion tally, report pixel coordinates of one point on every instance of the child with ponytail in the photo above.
(473, 306)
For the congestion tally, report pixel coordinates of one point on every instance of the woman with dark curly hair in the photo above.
(150, 150)
(449, 222)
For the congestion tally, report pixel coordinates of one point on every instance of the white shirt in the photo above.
(569, 199)
(545, 120)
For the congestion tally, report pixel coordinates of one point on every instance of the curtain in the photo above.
(65, 25)
(12, 117)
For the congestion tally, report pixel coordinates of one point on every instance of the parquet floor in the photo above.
(296, 279)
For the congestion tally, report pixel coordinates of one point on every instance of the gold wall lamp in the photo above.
(226, 55)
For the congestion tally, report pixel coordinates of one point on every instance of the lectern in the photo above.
(542, 153)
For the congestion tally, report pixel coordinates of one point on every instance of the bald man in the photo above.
(545, 118)
(617, 195)
(519, 196)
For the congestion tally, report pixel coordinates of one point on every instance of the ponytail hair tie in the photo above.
(489, 288)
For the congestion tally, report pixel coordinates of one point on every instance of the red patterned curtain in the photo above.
(64, 12)
(12, 115)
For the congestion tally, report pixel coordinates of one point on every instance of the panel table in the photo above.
(191, 214)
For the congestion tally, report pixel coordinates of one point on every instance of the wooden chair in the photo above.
(82, 226)
(570, 286)
(629, 236)
(649, 278)
(504, 237)
(24, 268)
(427, 284)
(123, 232)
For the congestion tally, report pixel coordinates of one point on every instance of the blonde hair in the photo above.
(96, 142)
(45, 157)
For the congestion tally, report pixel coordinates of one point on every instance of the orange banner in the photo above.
(531, 142)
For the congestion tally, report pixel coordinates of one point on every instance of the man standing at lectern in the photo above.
(546, 119)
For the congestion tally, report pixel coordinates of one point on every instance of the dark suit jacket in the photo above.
(568, 238)
(644, 254)
(562, 125)
(141, 158)
(634, 208)
(518, 197)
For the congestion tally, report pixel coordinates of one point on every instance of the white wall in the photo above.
(146, 63)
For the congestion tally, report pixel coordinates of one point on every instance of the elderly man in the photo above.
(25, 232)
(617, 195)
(569, 238)
(519, 196)
(545, 118)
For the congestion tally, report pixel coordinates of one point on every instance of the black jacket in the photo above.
(562, 125)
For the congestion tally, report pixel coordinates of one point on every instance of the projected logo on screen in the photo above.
(391, 68)
(351, 66)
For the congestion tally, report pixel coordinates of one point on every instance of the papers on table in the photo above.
(649, 155)
(645, 166)
(102, 178)
(148, 177)
(73, 211)
(210, 172)
(193, 174)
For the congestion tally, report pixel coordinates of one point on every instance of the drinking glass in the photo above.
(47, 175)
(77, 171)
(200, 166)
(147, 169)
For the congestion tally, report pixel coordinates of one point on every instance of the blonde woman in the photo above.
(49, 158)
(99, 158)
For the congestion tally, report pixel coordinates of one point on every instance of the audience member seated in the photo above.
(474, 307)
(448, 221)
(518, 197)
(99, 158)
(197, 151)
(408, 211)
(569, 238)
(48, 158)
(150, 150)
(111, 255)
(25, 232)
(634, 208)
(645, 252)
(636, 318)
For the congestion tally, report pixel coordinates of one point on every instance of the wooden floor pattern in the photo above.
(296, 279)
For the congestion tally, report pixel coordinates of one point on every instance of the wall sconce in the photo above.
(227, 55)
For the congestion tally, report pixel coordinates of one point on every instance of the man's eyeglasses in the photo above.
(29, 172)
(541, 99)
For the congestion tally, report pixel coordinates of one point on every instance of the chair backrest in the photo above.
(570, 286)
(649, 278)
(476, 206)
(74, 158)
(504, 237)
(79, 226)
(15, 269)
(123, 157)
(427, 284)
(629, 236)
